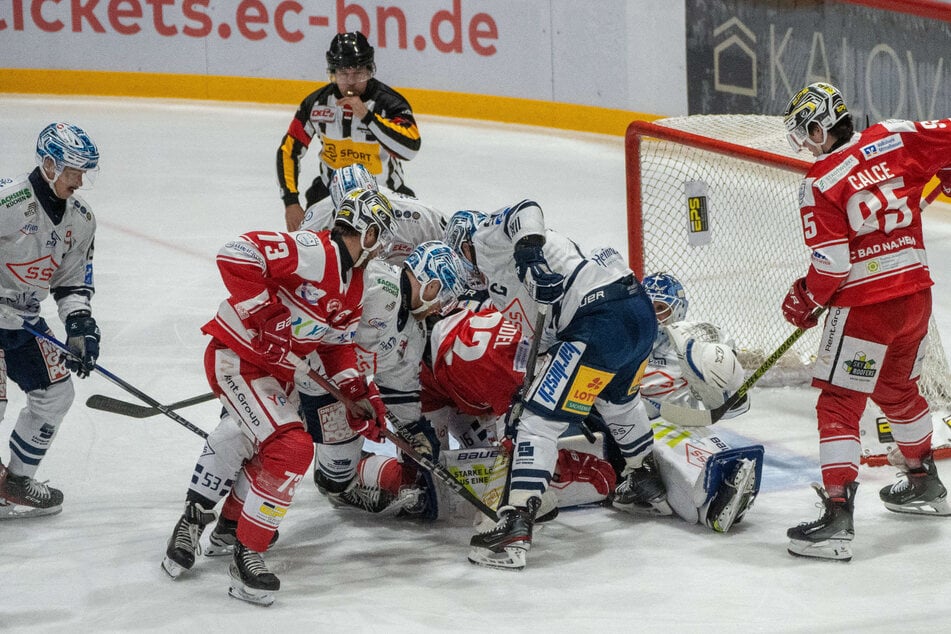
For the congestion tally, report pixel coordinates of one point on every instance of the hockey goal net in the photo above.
(713, 200)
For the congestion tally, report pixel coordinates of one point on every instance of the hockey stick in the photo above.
(7, 312)
(500, 468)
(691, 417)
(134, 410)
(437, 469)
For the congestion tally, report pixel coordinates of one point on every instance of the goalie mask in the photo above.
(346, 179)
(668, 296)
(459, 231)
(67, 145)
(362, 210)
(818, 103)
(439, 272)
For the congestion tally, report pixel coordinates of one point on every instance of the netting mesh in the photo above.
(753, 249)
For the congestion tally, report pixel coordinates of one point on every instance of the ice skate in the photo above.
(223, 538)
(504, 546)
(22, 496)
(251, 581)
(920, 492)
(830, 536)
(734, 497)
(183, 545)
(642, 491)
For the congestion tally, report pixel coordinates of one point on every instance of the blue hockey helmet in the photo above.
(459, 231)
(346, 179)
(434, 261)
(67, 145)
(668, 296)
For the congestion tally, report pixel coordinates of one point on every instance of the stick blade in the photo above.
(116, 406)
(686, 416)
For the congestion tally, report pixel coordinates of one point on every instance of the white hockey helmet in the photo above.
(668, 296)
(362, 209)
(434, 261)
(67, 145)
(459, 231)
(818, 103)
(346, 179)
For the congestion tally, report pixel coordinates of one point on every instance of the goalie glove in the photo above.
(545, 286)
(799, 307)
(709, 365)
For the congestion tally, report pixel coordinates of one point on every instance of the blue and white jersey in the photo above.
(38, 256)
(416, 223)
(494, 241)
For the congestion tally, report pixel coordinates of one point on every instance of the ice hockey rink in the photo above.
(179, 179)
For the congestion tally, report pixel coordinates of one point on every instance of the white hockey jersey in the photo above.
(494, 242)
(416, 223)
(40, 256)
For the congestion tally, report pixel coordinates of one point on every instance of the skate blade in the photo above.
(218, 550)
(16, 511)
(250, 595)
(938, 507)
(830, 549)
(654, 509)
(511, 558)
(172, 568)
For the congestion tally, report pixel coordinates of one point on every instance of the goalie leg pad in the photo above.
(732, 479)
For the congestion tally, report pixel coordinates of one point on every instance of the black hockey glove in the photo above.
(532, 268)
(82, 338)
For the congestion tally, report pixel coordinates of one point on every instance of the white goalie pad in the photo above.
(693, 462)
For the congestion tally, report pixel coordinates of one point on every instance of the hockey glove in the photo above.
(422, 436)
(272, 321)
(799, 307)
(944, 176)
(366, 413)
(545, 286)
(82, 339)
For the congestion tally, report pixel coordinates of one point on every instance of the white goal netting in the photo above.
(718, 208)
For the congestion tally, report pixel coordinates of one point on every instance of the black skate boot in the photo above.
(642, 491)
(734, 497)
(919, 493)
(223, 538)
(183, 544)
(504, 546)
(22, 496)
(830, 536)
(251, 581)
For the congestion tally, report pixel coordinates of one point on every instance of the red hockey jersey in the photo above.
(860, 207)
(303, 270)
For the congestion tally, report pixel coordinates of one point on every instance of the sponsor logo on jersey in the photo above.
(272, 512)
(36, 272)
(16, 197)
(607, 256)
(240, 402)
(323, 114)
(388, 286)
(29, 229)
(885, 247)
(387, 345)
(558, 374)
(310, 293)
(861, 366)
(882, 146)
(306, 239)
(586, 386)
(840, 171)
(5, 181)
(309, 329)
(377, 323)
(341, 319)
